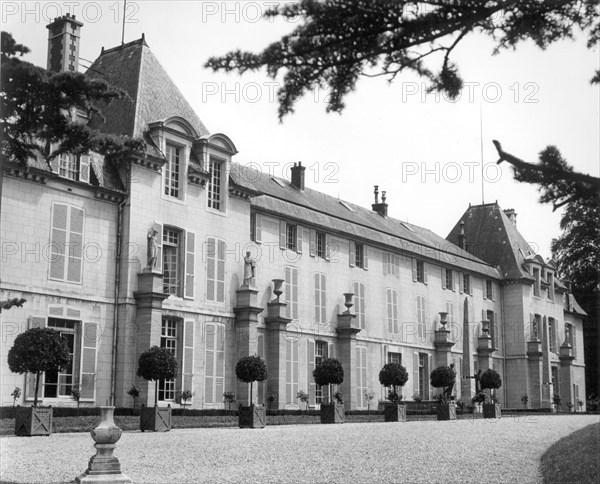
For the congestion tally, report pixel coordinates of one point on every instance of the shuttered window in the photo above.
(187, 360)
(291, 371)
(359, 304)
(361, 376)
(214, 376)
(320, 298)
(66, 243)
(421, 329)
(190, 263)
(291, 292)
(392, 311)
(215, 270)
(172, 172)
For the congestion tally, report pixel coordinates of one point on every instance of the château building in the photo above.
(180, 246)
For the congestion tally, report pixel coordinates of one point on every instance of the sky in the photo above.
(431, 155)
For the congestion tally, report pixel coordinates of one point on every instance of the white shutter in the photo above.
(299, 239)
(294, 293)
(289, 396)
(386, 263)
(389, 311)
(211, 268)
(311, 367)
(187, 380)
(282, 234)
(312, 242)
(317, 298)
(84, 168)
(258, 228)
(190, 258)
(461, 282)
(416, 374)
(397, 265)
(443, 278)
(428, 371)
(366, 257)
(414, 269)
(88, 361)
(75, 258)
(425, 272)
(159, 241)
(395, 311)
(209, 366)
(328, 247)
(352, 253)
(58, 241)
(220, 362)
(323, 299)
(221, 271)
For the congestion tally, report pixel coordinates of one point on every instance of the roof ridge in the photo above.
(140, 41)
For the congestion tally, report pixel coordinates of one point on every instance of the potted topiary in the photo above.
(250, 369)
(303, 397)
(330, 372)
(556, 400)
(228, 399)
(134, 393)
(394, 375)
(490, 379)
(37, 350)
(156, 364)
(478, 400)
(444, 377)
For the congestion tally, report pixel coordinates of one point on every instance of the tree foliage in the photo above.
(329, 372)
(38, 350)
(338, 41)
(38, 110)
(443, 377)
(393, 375)
(490, 379)
(250, 369)
(156, 364)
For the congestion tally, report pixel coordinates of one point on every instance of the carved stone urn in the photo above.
(278, 287)
(348, 301)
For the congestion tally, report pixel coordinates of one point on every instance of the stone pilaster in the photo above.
(276, 352)
(443, 346)
(246, 335)
(148, 320)
(566, 374)
(534, 367)
(347, 330)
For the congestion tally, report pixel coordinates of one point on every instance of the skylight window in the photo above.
(406, 226)
(347, 206)
(278, 181)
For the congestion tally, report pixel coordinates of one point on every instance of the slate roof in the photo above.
(151, 94)
(491, 236)
(317, 209)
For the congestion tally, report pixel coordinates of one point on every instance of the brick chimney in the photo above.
(63, 44)
(380, 208)
(462, 243)
(298, 175)
(512, 215)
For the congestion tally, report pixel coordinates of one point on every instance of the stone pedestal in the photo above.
(534, 367)
(246, 334)
(566, 375)
(485, 349)
(347, 330)
(276, 350)
(443, 346)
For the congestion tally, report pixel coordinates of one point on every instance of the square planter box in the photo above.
(332, 413)
(395, 413)
(446, 411)
(31, 421)
(252, 417)
(491, 410)
(156, 419)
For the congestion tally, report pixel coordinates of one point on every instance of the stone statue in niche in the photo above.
(152, 249)
(249, 270)
(567, 334)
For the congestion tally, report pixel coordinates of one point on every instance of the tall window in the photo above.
(394, 358)
(291, 236)
(214, 374)
(321, 392)
(423, 376)
(359, 304)
(59, 383)
(391, 264)
(489, 289)
(215, 270)
(172, 175)
(570, 336)
(215, 184)
(450, 311)
(494, 330)
(392, 311)
(467, 284)
(449, 283)
(168, 339)
(360, 255)
(321, 245)
(320, 298)
(420, 270)
(536, 284)
(421, 329)
(552, 334)
(555, 380)
(550, 290)
(67, 166)
(361, 376)
(291, 371)
(172, 261)
(291, 292)
(66, 243)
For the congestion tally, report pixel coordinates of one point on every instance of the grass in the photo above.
(574, 459)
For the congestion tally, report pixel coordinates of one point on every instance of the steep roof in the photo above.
(151, 94)
(278, 196)
(491, 236)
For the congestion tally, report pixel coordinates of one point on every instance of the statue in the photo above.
(567, 334)
(152, 249)
(249, 270)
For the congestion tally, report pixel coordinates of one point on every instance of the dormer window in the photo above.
(172, 174)
(536, 284)
(215, 184)
(67, 166)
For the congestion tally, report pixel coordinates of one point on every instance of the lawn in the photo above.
(575, 458)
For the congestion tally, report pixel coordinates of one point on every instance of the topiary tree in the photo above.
(186, 396)
(250, 369)
(134, 393)
(329, 372)
(444, 377)
(393, 375)
(157, 364)
(490, 379)
(38, 350)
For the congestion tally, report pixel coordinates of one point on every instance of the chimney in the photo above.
(298, 175)
(63, 44)
(512, 215)
(380, 208)
(461, 236)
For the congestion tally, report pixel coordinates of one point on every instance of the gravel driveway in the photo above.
(478, 451)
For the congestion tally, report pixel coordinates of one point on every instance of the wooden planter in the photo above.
(31, 421)
(491, 410)
(395, 413)
(156, 419)
(332, 413)
(446, 411)
(252, 417)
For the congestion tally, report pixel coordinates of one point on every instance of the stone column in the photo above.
(246, 335)
(148, 319)
(534, 366)
(485, 348)
(566, 374)
(276, 352)
(347, 330)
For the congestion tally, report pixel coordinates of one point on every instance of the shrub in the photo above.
(271, 400)
(134, 393)
(76, 394)
(478, 398)
(393, 375)
(250, 369)
(490, 379)
(186, 396)
(338, 397)
(228, 398)
(556, 399)
(369, 396)
(38, 350)
(16, 394)
(524, 400)
(157, 364)
(417, 397)
(444, 377)
(329, 372)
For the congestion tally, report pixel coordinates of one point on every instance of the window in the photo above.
(448, 282)
(536, 284)
(570, 337)
(67, 166)
(494, 332)
(450, 311)
(291, 237)
(215, 182)
(59, 383)
(535, 326)
(467, 284)
(172, 262)
(423, 376)
(391, 264)
(421, 329)
(419, 271)
(320, 298)
(66, 243)
(555, 380)
(395, 358)
(321, 392)
(361, 376)
(321, 245)
(168, 339)
(291, 371)
(291, 292)
(215, 270)
(552, 334)
(359, 304)
(489, 290)
(256, 228)
(358, 255)
(172, 175)
(550, 290)
(214, 375)
(392, 311)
